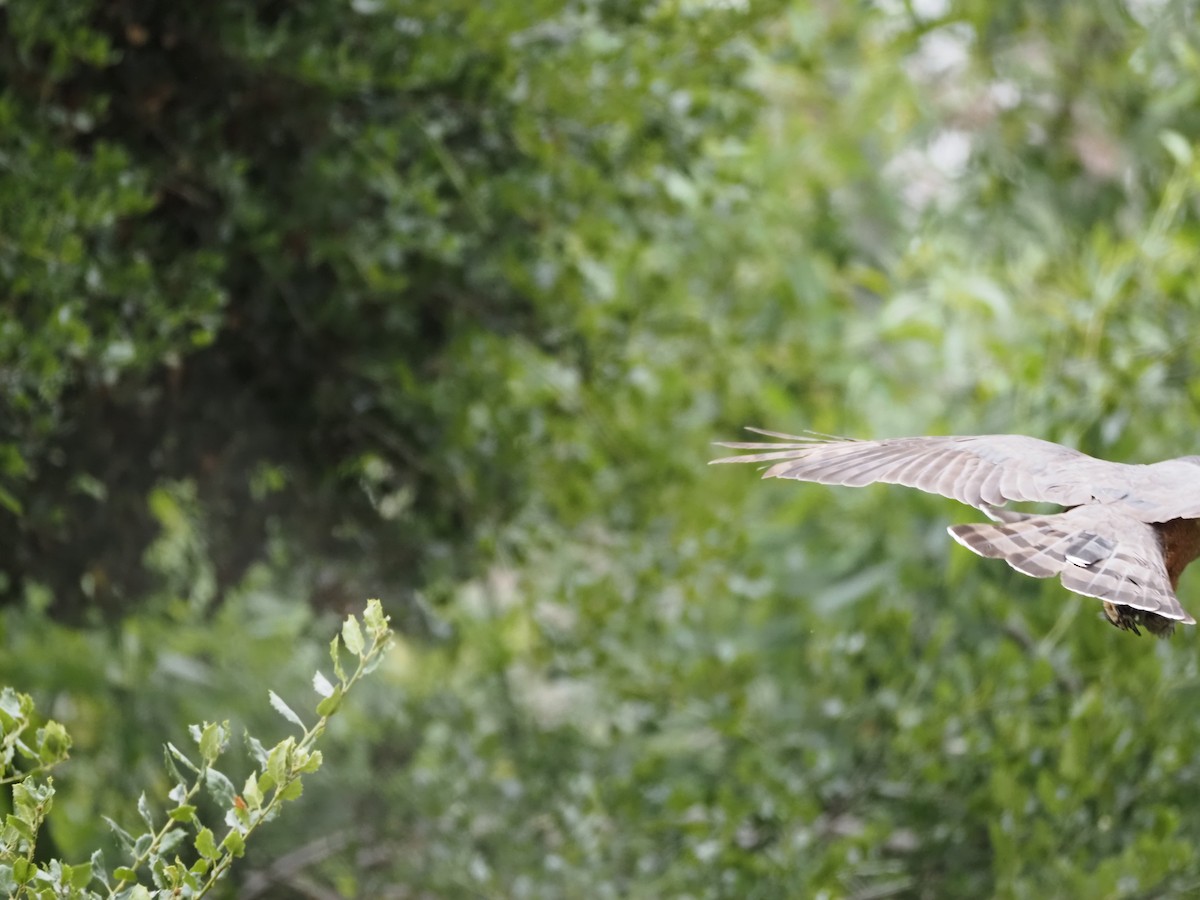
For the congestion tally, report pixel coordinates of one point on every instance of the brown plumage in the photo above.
(1125, 535)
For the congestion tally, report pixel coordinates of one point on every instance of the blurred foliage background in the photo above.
(445, 301)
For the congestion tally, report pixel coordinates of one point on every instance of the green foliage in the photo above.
(153, 866)
(451, 298)
(49, 747)
(281, 283)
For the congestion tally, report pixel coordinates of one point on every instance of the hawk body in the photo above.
(1125, 535)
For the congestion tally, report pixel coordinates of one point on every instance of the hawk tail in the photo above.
(1115, 559)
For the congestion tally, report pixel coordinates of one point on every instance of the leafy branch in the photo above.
(155, 868)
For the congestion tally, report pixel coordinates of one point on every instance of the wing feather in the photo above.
(992, 469)
(990, 491)
(1098, 552)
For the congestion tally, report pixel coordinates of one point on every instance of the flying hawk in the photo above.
(1124, 536)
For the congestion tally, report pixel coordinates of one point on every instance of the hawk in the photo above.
(1124, 535)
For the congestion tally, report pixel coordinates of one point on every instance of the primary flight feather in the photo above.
(1125, 535)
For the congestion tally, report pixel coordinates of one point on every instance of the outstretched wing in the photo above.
(985, 470)
(1097, 551)
(1166, 490)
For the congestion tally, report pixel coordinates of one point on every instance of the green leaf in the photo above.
(183, 813)
(13, 706)
(336, 656)
(279, 760)
(311, 762)
(171, 874)
(179, 755)
(373, 664)
(124, 838)
(98, 867)
(219, 787)
(293, 790)
(206, 844)
(257, 750)
(53, 743)
(241, 813)
(124, 873)
(143, 808)
(32, 800)
(22, 870)
(79, 875)
(352, 635)
(284, 710)
(171, 839)
(330, 704)
(213, 741)
(234, 844)
(251, 793)
(20, 826)
(376, 621)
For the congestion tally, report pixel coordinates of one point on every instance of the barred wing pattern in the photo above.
(1097, 551)
(1103, 546)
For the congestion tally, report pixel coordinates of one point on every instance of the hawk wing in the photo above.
(984, 471)
(1097, 551)
(1165, 490)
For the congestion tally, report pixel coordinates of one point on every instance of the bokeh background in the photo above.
(444, 302)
